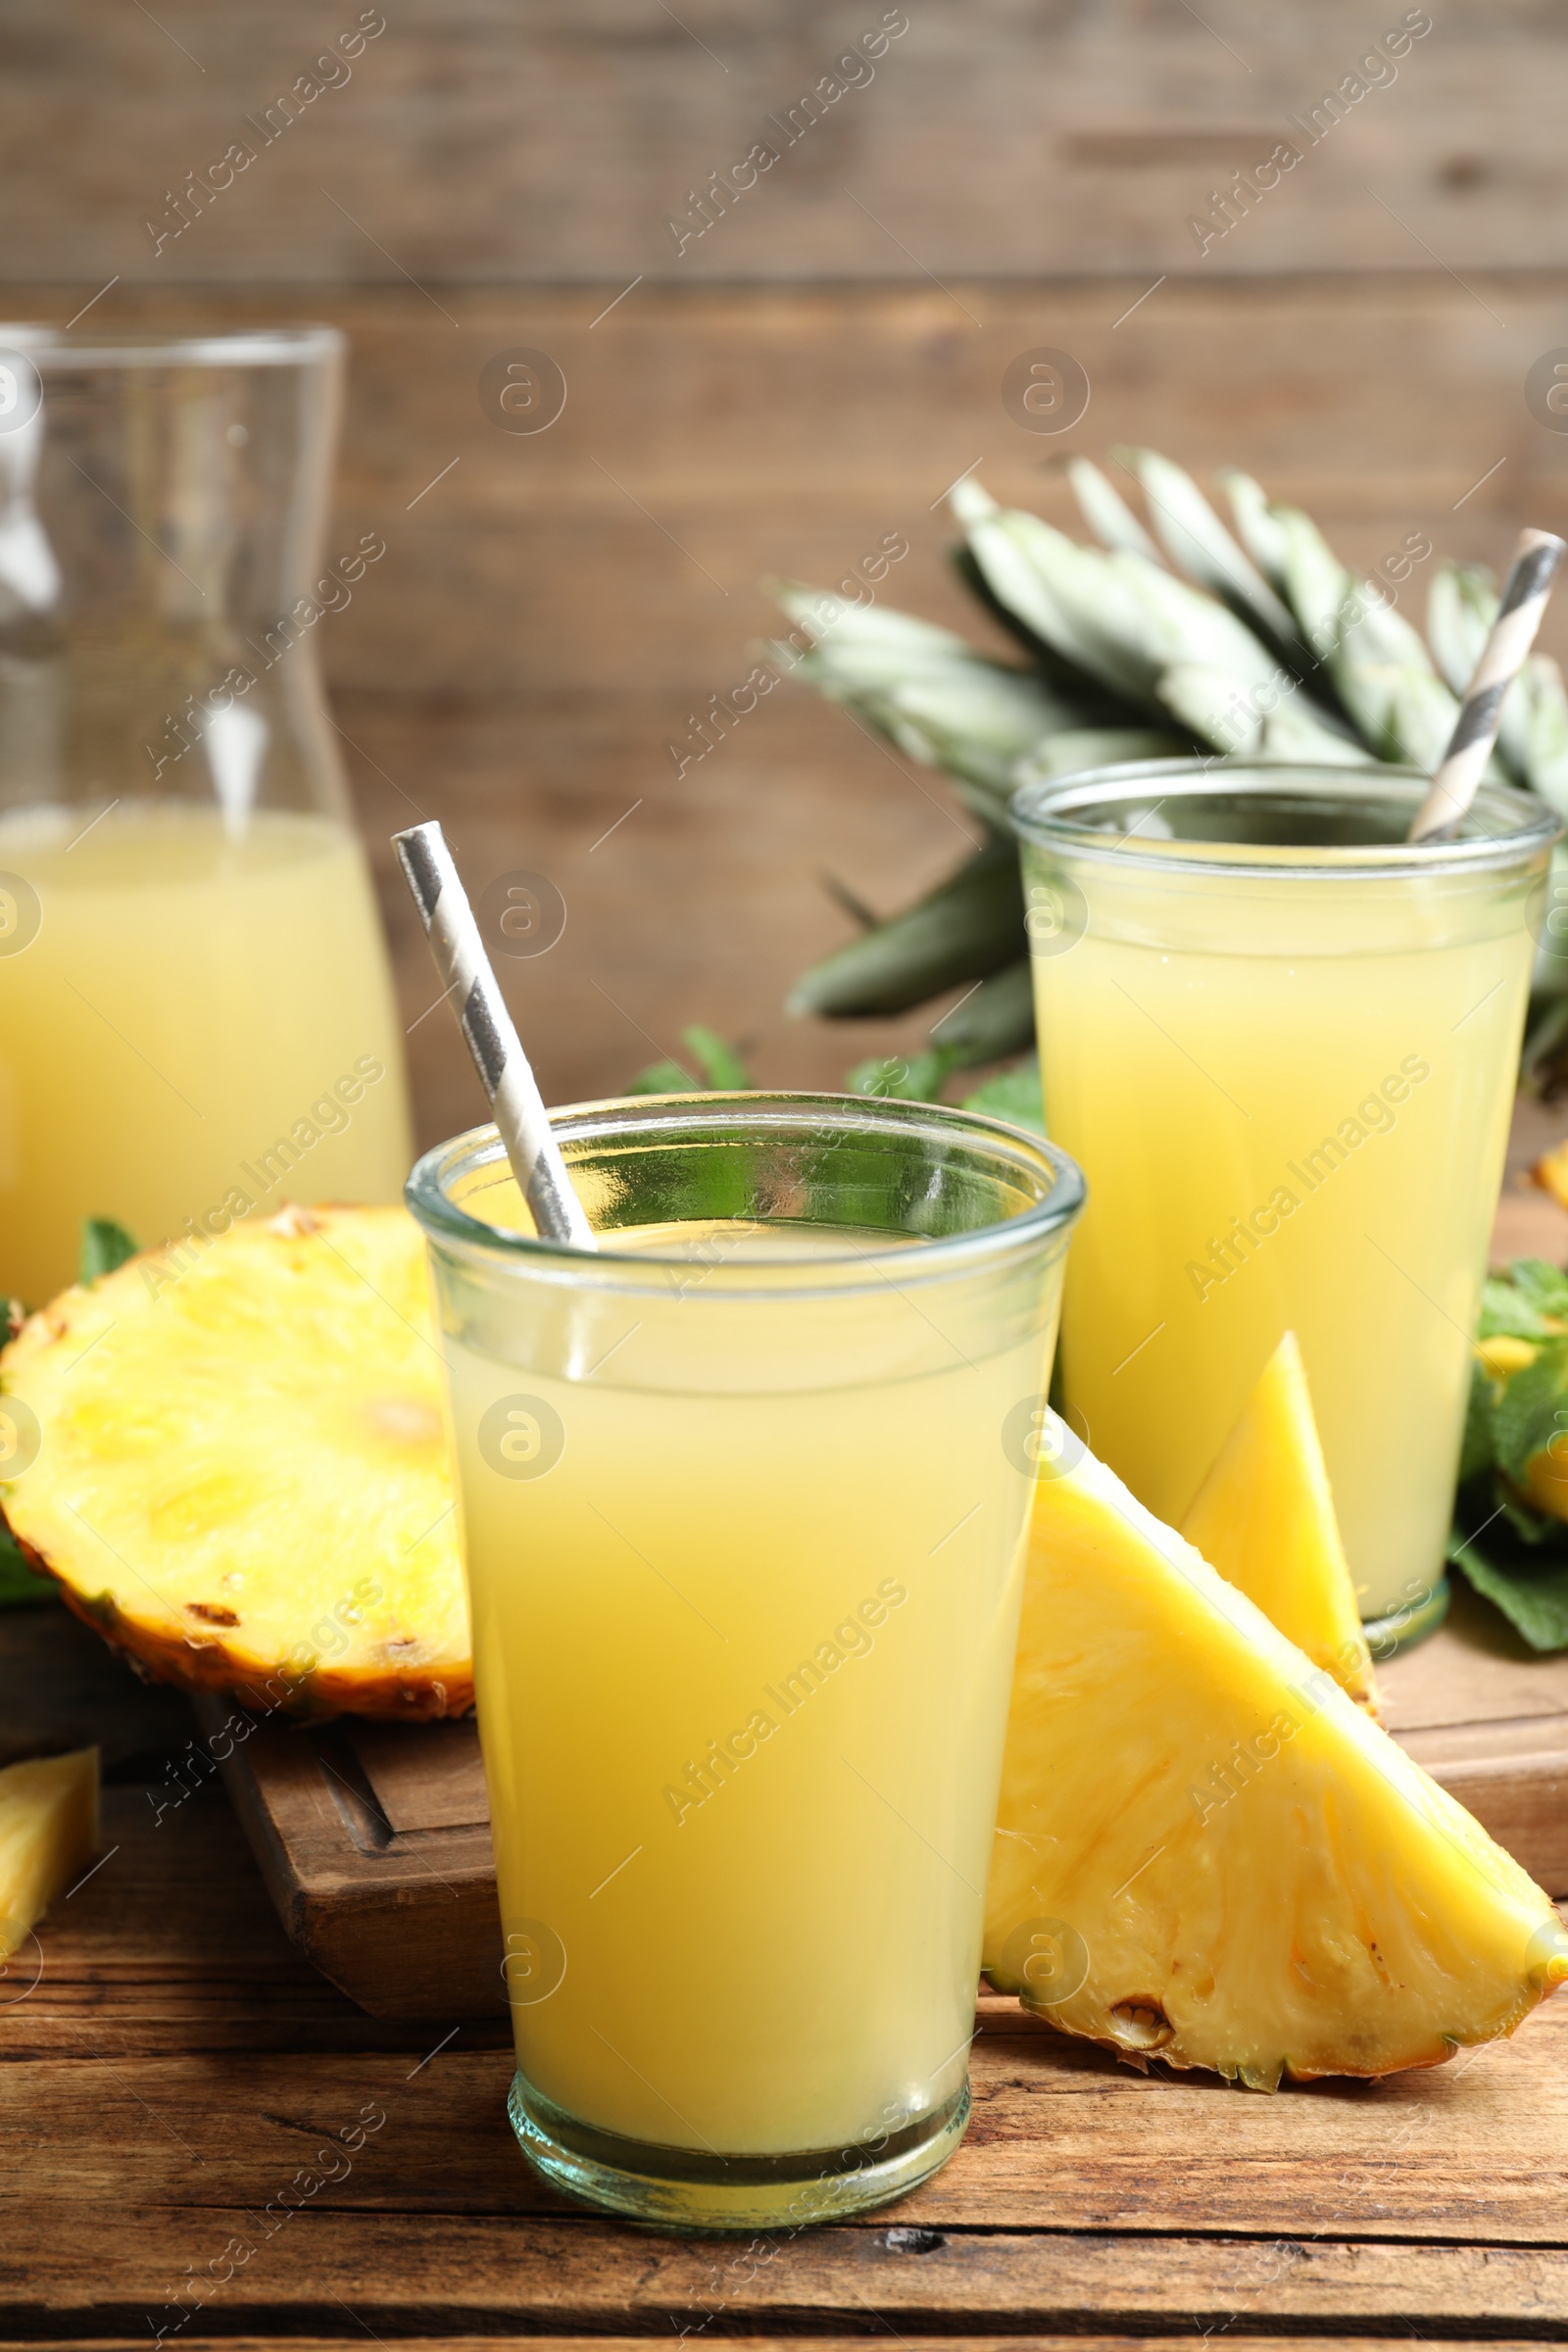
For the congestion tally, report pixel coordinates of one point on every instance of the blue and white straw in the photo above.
(1502, 657)
(521, 1117)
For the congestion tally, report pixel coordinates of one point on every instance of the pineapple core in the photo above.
(1264, 1518)
(48, 1836)
(1204, 1851)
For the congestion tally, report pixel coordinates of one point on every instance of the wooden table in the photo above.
(175, 2067)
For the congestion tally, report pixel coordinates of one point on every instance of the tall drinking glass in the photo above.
(744, 1500)
(196, 1017)
(1283, 1046)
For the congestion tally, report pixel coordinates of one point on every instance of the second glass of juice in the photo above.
(1282, 1045)
(744, 1502)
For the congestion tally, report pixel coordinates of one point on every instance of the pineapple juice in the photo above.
(192, 1023)
(742, 1666)
(743, 1499)
(1290, 1092)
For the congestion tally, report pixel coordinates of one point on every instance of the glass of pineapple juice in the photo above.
(744, 1502)
(1283, 1046)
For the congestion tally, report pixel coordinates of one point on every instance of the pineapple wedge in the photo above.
(242, 1477)
(1204, 1851)
(48, 1836)
(1264, 1518)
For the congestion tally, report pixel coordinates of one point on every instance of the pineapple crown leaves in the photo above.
(1198, 544)
(1176, 635)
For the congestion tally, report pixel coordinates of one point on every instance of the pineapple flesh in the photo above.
(48, 1836)
(243, 1478)
(1264, 1518)
(1206, 1852)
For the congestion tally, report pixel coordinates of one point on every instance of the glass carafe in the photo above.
(196, 1016)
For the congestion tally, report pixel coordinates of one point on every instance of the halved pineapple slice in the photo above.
(242, 1475)
(1264, 1518)
(48, 1836)
(1206, 1851)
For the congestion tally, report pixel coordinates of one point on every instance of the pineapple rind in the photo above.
(1335, 1913)
(48, 1836)
(257, 1438)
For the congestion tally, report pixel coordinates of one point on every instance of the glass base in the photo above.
(1401, 1629)
(687, 2190)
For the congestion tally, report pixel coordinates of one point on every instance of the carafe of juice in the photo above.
(196, 1017)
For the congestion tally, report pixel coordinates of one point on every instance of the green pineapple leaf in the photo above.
(1258, 525)
(994, 1019)
(1106, 512)
(967, 927)
(1197, 542)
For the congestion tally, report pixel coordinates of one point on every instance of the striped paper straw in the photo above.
(521, 1117)
(1524, 600)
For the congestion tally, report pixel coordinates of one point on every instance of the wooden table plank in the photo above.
(405, 2275)
(1025, 2340)
(1065, 2137)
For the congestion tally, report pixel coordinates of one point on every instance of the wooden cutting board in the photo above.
(374, 1840)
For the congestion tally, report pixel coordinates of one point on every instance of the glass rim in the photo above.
(650, 1116)
(50, 351)
(1043, 815)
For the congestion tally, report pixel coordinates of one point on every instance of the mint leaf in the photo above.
(905, 1077)
(1014, 1095)
(1528, 1303)
(1544, 1286)
(723, 1071)
(1531, 1413)
(1531, 1589)
(104, 1247)
(663, 1078)
(1477, 1452)
(1506, 1314)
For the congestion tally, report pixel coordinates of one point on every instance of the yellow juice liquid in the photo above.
(742, 1656)
(1300, 1130)
(199, 1021)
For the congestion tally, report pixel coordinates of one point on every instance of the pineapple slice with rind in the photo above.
(242, 1476)
(1264, 1518)
(1206, 1851)
(48, 1836)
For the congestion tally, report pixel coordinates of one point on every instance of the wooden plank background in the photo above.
(792, 387)
(482, 143)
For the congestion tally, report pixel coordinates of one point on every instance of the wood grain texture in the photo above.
(554, 141)
(1025, 2340)
(412, 2273)
(1064, 2139)
(550, 615)
(167, 2078)
(402, 1917)
(712, 437)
